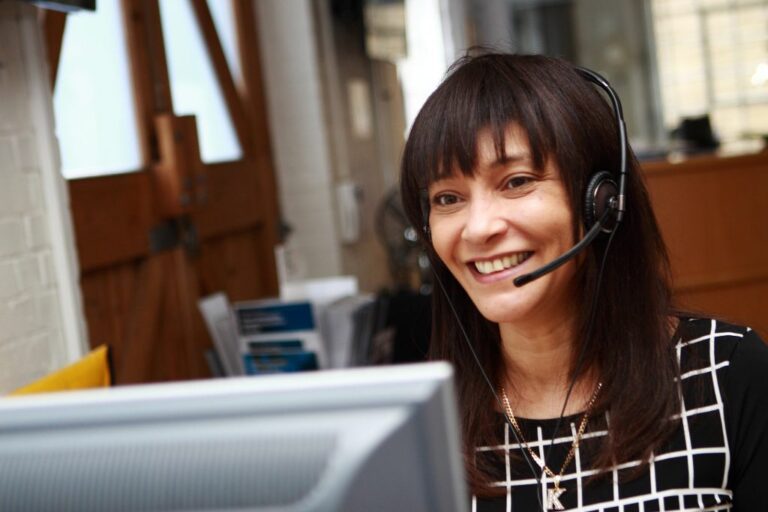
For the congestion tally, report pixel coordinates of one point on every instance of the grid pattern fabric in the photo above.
(690, 472)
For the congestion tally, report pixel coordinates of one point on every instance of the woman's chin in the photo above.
(504, 312)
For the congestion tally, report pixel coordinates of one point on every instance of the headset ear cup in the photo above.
(600, 189)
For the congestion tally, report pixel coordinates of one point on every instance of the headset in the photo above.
(603, 208)
(604, 196)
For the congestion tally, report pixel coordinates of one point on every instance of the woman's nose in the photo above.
(484, 222)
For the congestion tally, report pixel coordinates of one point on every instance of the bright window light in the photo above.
(193, 83)
(93, 103)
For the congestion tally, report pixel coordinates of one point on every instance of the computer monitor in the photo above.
(376, 439)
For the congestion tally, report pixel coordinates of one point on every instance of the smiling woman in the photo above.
(584, 388)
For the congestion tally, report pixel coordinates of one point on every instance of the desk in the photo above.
(713, 213)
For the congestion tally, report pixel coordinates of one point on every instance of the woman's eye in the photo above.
(518, 181)
(445, 199)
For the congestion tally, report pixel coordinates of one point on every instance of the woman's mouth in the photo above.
(500, 263)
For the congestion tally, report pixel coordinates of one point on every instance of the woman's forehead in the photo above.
(491, 148)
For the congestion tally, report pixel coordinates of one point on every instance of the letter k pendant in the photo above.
(553, 498)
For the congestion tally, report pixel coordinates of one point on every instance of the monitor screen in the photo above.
(383, 438)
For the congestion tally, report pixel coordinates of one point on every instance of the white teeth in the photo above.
(498, 264)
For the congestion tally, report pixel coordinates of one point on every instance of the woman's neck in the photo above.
(537, 365)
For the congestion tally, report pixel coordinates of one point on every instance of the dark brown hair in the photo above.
(567, 120)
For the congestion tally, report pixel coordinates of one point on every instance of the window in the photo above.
(93, 103)
(713, 58)
(193, 84)
(224, 19)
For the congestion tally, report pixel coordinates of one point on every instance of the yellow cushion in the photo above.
(92, 371)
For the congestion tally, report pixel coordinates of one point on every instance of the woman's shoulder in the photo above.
(733, 357)
(717, 340)
(695, 328)
(733, 360)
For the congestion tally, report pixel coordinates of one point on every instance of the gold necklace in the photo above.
(553, 495)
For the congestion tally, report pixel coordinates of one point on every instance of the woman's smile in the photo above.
(500, 263)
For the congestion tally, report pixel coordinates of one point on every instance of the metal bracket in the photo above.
(173, 233)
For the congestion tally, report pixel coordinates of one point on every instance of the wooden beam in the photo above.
(133, 360)
(53, 24)
(196, 338)
(252, 89)
(254, 98)
(151, 86)
(179, 175)
(223, 73)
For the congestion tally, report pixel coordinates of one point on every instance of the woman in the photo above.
(581, 389)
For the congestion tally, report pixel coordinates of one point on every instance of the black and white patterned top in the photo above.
(717, 459)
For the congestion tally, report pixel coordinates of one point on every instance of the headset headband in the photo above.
(618, 112)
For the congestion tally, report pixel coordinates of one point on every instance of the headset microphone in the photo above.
(604, 198)
(566, 256)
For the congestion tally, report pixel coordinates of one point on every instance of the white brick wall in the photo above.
(299, 134)
(41, 322)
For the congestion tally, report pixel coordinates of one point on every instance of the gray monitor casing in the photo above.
(383, 438)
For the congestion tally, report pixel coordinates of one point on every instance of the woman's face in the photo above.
(506, 220)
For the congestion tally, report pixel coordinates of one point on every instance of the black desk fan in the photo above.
(408, 263)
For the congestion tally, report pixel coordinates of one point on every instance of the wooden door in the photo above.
(150, 243)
